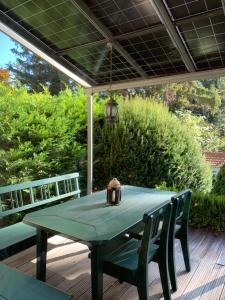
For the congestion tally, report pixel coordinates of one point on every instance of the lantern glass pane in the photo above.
(107, 110)
(114, 111)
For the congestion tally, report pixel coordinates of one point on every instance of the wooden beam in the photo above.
(20, 35)
(160, 80)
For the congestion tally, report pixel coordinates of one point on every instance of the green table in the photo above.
(91, 222)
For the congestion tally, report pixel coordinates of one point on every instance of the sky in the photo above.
(5, 54)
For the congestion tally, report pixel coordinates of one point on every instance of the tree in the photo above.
(208, 135)
(4, 75)
(219, 186)
(196, 98)
(35, 73)
(202, 98)
(207, 83)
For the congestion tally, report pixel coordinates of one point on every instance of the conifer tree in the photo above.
(35, 73)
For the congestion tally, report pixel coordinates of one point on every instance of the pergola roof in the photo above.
(150, 38)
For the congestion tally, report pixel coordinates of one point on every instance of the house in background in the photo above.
(216, 160)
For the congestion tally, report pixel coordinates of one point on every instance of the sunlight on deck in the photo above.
(68, 268)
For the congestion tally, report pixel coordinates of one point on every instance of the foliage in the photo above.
(200, 103)
(205, 133)
(36, 74)
(219, 185)
(155, 91)
(41, 135)
(4, 75)
(195, 97)
(200, 97)
(148, 145)
(208, 210)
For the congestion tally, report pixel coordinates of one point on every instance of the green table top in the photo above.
(90, 220)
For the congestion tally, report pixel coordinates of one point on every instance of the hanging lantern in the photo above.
(111, 110)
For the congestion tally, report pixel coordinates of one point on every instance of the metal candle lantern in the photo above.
(111, 110)
(114, 192)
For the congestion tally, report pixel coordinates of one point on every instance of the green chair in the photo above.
(129, 262)
(179, 230)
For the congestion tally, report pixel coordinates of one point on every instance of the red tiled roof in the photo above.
(216, 159)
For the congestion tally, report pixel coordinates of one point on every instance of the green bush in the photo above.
(208, 210)
(219, 185)
(149, 145)
(42, 135)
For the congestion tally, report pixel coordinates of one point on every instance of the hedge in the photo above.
(147, 146)
(42, 135)
(219, 185)
(208, 210)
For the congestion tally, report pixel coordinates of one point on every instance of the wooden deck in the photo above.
(68, 269)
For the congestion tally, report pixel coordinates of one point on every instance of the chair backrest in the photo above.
(180, 212)
(19, 197)
(182, 201)
(156, 228)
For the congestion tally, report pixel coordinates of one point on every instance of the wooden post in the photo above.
(90, 143)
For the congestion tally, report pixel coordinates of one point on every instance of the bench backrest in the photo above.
(19, 197)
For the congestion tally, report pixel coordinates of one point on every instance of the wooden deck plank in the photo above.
(221, 260)
(214, 285)
(222, 296)
(68, 268)
(195, 287)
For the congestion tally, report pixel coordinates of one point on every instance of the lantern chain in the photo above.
(110, 65)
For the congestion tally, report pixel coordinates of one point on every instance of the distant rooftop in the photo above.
(216, 159)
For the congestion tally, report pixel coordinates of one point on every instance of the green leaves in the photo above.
(42, 135)
(208, 210)
(149, 145)
(207, 134)
(219, 185)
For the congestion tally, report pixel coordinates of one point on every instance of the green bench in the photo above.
(14, 285)
(23, 196)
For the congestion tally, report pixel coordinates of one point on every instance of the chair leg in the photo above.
(172, 267)
(143, 290)
(185, 250)
(164, 275)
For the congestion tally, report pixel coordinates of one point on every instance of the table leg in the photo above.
(42, 239)
(96, 273)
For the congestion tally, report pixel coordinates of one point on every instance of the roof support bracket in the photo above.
(223, 4)
(174, 33)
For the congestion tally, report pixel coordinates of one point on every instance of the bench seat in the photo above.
(15, 285)
(16, 238)
(15, 233)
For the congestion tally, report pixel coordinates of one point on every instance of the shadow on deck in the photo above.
(68, 269)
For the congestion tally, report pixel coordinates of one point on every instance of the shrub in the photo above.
(42, 135)
(149, 145)
(219, 185)
(208, 210)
